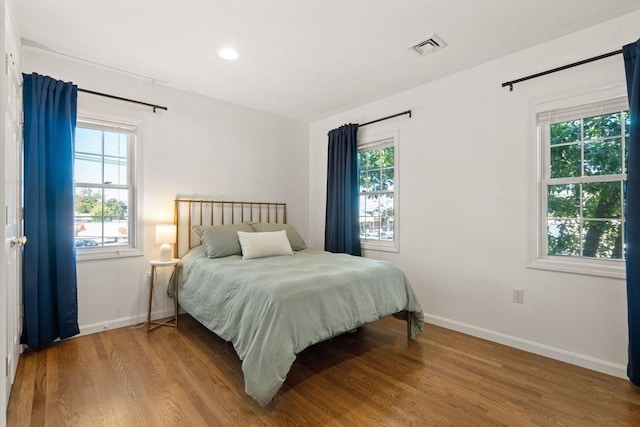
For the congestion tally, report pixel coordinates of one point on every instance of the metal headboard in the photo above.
(190, 212)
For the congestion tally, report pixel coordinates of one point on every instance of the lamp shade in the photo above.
(165, 234)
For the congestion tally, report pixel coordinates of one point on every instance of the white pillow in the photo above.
(260, 245)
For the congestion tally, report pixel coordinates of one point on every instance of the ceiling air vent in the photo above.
(429, 45)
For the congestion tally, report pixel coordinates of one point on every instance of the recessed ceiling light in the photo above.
(228, 53)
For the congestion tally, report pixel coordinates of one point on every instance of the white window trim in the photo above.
(371, 142)
(136, 250)
(538, 259)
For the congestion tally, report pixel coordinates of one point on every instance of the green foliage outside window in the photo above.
(377, 183)
(585, 217)
(90, 202)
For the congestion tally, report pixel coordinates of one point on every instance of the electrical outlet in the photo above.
(518, 295)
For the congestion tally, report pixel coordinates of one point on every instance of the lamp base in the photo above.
(165, 252)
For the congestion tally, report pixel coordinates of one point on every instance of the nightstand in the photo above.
(172, 321)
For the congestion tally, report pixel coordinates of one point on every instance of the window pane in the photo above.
(386, 232)
(373, 180)
(565, 132)
(602, 126)
(627, 121)
(602, 239)
(362, 160)
(602, 200)
(374, 159)
(116, 204)
(563, 237)
(386, 204)
(373, 230)
(361, 205)
(372, 205)
(563, 201)
(387, 179)
(115, 144)
(603, 157)
(363, 227)
(372, 217)
(364, 186)
(116, 217)
(86, 201)
(87, 168)
(88, 141)
(387, 213)
(115, 170)
(88, 216)
(387, 158)
(565, 161)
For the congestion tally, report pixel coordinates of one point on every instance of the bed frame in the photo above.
(190, 212)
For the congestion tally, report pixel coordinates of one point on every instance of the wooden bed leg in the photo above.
(409, 321)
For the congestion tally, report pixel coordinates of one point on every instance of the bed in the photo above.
(273, 307)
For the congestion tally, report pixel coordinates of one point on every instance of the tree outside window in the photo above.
(377, 193)
(585, 186)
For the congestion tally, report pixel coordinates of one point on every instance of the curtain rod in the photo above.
(119, 98)
(387, 118)
(564, 67)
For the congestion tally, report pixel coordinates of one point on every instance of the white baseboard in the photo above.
(122, 322)
(588, 362)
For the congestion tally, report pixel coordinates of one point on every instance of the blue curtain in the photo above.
(342, 228)
(49, 260)
(631, 53)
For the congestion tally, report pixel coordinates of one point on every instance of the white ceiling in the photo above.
(301, 59)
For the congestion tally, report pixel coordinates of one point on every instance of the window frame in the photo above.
(117, 124)
(382, 140)
(609, 95)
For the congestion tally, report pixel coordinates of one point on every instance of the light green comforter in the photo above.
(273, 308)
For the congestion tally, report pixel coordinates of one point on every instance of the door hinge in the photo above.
(6, 215)
(6, 366)
(21, 310)
(22, 117)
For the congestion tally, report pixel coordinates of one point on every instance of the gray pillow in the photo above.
(296, 241)
(221, 240)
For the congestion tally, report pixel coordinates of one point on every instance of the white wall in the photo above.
(464, 203)
(199, 147)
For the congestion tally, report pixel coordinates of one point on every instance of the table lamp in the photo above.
(166, 235)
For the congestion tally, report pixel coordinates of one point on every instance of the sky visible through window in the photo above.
(102, 190)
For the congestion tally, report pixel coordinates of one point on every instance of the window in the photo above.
(582, 187)
(377, 164)
(104, 182)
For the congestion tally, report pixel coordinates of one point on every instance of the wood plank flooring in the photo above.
(375, 377)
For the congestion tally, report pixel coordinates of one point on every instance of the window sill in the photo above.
(97, 254)
(372, 245)
(611, 269)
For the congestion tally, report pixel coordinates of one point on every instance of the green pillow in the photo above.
(221, 240)
(296, 241)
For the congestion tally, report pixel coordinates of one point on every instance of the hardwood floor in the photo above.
(189, 376)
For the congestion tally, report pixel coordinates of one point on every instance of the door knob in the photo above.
(19, 241)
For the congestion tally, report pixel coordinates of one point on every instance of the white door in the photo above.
(4, 389)
(13, 231)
